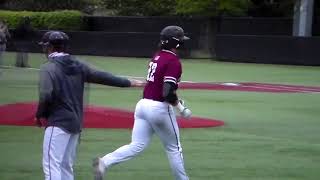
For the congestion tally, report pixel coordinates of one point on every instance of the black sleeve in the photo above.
(105, 78)
(45, 94)
(169, 92)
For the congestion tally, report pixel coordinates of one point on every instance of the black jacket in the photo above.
(61, 90)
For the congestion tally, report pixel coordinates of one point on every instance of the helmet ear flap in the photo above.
(168, 42)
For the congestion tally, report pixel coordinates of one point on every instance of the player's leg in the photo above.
(140, 139)
(141, 135)
(168, 131)
(54, 145)
(69, 158)
(2, 49)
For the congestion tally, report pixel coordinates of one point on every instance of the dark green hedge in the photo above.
(63, 20)
(46, 5)
(140, 7)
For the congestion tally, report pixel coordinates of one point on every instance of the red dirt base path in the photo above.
(22, 114)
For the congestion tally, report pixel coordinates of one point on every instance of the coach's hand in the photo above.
(40, 122)
(37, 122)
(136, 83)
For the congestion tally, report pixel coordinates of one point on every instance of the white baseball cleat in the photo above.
(99, 168)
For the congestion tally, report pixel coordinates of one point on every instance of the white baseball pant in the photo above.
(59, 154)
(152, 117)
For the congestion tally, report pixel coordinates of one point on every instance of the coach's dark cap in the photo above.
(45, 38)
(58, 37)
(54, 38)
(174, 32)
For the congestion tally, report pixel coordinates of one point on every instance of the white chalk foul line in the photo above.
(289, 87)
(279, 89)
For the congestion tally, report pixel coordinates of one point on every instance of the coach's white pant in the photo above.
(152, 117)
(59, 153)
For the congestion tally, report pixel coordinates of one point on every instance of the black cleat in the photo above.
(98, 169)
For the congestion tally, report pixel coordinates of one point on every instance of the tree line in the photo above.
(254, 8)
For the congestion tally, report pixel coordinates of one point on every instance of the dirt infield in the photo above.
(22, 114)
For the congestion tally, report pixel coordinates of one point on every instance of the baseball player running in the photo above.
(61, 90)
(154, 114)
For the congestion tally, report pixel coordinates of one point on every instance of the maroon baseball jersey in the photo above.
(165, 66)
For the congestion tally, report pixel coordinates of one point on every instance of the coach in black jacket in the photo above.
(61, 90)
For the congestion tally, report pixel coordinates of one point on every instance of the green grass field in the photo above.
(267, 136)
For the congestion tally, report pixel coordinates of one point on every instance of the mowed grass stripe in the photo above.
(266, 136)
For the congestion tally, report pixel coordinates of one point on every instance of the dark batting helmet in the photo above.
(172, 37)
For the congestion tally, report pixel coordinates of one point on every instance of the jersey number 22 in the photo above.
(151, 71)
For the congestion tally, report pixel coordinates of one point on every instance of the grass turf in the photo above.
(266, 136)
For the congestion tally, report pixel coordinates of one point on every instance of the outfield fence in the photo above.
(256, 40)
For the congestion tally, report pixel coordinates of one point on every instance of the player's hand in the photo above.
(136, 83)
(184, 111)
(181, 102)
